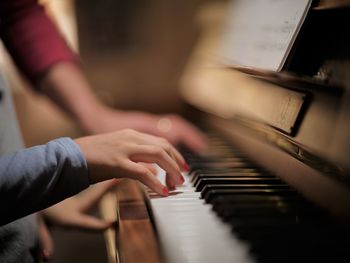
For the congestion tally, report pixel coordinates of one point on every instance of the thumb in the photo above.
(91, 196)
(87, 222)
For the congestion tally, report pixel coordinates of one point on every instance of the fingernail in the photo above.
(182, 179)
(186, 167)
(165, 191)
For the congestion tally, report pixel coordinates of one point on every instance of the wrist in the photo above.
(92, 120)
(45, 216)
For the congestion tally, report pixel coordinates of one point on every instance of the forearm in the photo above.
(38, 177)
(67, 86)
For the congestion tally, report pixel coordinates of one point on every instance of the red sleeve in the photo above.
(31, 37)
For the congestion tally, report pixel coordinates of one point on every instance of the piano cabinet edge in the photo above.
(331, 194)
(127, 242)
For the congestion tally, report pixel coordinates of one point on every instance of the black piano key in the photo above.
(258, 211)
(262, 210)
(226, 213)
(303, 239)
(274, 251)
(297, 209)
(278, 224)
(242, 199)
(210, 187)
(228, 174)
(266, 221)
(241, 172)
(202, 182)
(214, 193)
(217, 166)
(295, 204)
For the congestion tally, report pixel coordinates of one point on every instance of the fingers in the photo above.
(192, 137)
(91, 196)
(163, 143)
(47, 244)
(170, 184)
(116, 155)
(152, 149)
(195, 143)
(144, 175)
(166, 146)
(158, 155)
(175, 154)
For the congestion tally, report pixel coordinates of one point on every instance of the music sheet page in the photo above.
(259, 34)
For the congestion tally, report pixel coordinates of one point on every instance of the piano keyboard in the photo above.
(231, 210)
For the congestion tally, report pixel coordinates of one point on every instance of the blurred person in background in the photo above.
(36, 178)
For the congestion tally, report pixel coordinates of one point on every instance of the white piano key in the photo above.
(191, 232)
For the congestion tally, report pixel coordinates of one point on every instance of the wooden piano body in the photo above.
(294, 123)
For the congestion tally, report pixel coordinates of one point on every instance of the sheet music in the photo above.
(260, 33)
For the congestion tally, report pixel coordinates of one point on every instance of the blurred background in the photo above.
(133, 52)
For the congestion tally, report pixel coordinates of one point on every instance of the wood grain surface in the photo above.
(133, 239)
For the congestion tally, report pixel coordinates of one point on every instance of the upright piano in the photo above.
(274, 183)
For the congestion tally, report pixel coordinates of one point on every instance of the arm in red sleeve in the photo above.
(31, 37)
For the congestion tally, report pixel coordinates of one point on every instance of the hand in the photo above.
(117, 155)
(179, 131)
(171, 127)
(74, 213)
(75, 97)
(46, 240)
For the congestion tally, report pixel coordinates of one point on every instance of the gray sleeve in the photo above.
(36, 178)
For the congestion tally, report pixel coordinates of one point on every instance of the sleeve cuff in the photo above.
(78, 165)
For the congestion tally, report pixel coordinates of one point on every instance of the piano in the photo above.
(274, 183)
